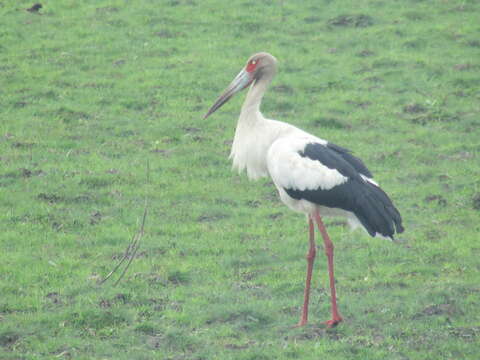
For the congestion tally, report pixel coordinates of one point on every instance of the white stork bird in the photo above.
(312, 175)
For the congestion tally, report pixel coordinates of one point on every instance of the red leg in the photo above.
(336, 318)
(310, 259)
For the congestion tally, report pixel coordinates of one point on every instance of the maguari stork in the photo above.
(312, 175)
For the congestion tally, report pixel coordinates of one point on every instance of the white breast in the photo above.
(290, 170)
(252, 141)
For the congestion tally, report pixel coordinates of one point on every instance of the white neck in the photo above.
(254, 134)
(251, 106)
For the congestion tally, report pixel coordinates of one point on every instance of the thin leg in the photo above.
(336, 318)
(310, 259)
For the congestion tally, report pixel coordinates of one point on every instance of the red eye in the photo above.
(252, 65)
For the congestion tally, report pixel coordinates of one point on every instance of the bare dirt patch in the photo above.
(8, 338)
(331, 123)
(438, 309)
(466, 333)
(283, 89)
(55, 298)
(476, 201)
(414, 109)
(359, 21)
(439, 199)
(366, 53)
(211, 217)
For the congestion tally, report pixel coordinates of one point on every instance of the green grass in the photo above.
(91, 91)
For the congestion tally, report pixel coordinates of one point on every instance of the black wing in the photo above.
(352, 160)
(368, 202)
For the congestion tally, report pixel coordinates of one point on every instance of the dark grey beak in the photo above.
(241, 81)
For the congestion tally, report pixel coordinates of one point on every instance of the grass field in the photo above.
(101, 106)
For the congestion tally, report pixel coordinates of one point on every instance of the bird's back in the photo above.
(330, 176)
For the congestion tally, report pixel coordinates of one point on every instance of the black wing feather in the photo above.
(368, 202)
(352, 160)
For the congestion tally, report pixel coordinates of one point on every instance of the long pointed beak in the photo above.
(241, 81)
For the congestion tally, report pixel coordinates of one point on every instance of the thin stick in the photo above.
(132, 248)
(125, 256)
(137, 241)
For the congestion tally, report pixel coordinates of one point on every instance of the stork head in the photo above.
(260, 66)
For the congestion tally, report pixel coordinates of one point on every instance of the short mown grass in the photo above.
(101, 107)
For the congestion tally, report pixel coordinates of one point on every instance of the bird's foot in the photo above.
(334, 322)
(301, 323)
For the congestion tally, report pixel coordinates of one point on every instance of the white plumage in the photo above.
(290, 170)
(312, 176)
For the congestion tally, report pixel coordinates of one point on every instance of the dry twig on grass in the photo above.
(131, 250)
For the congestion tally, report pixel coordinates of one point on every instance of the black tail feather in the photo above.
(370, 204)
(376, 212)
